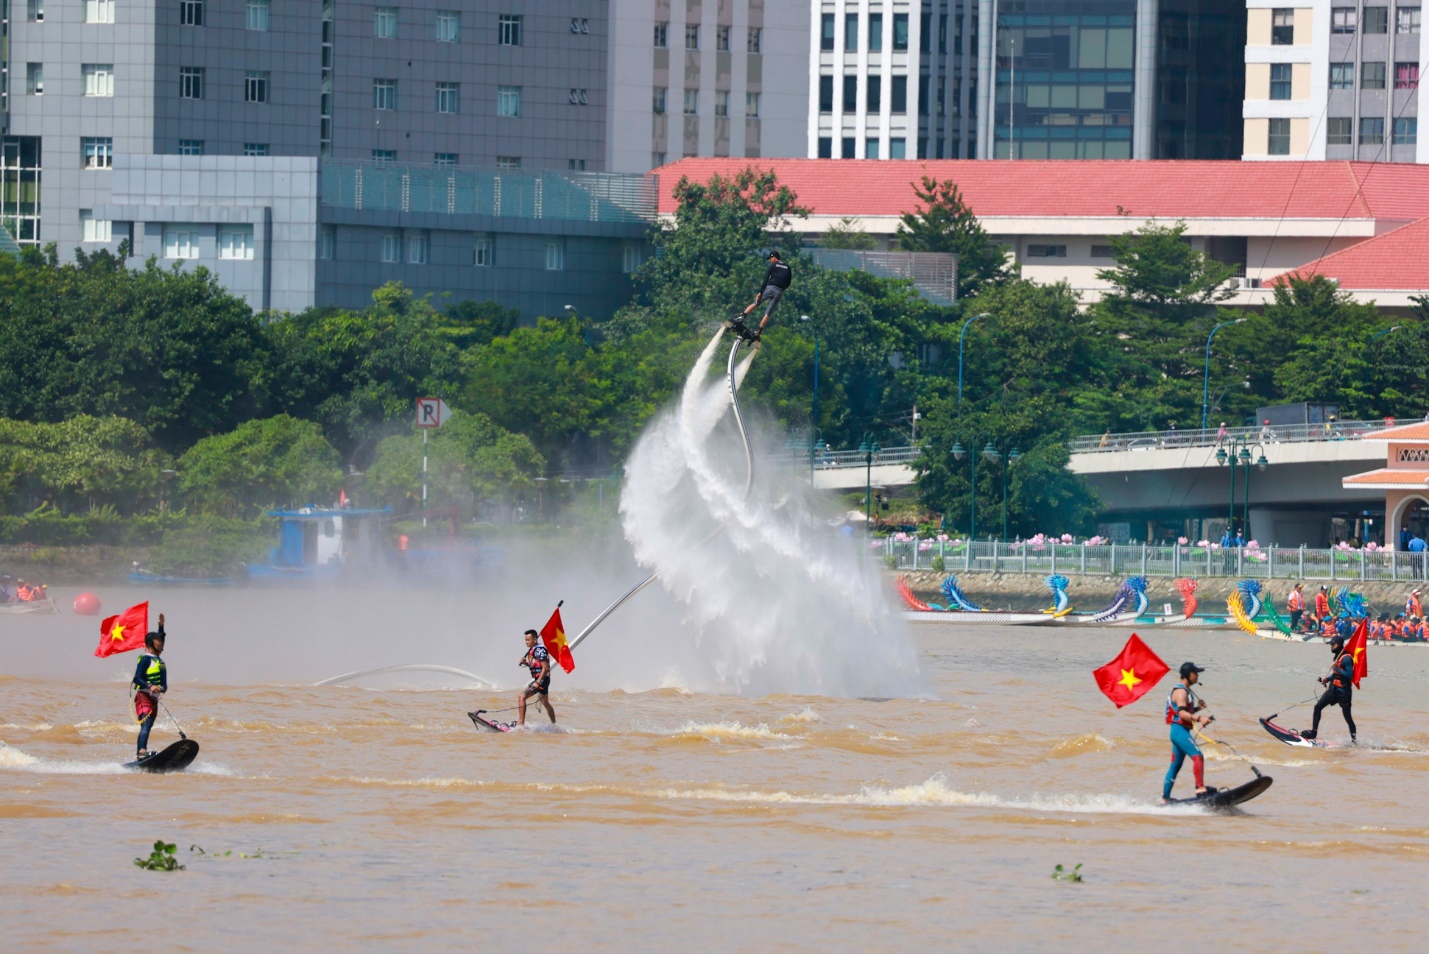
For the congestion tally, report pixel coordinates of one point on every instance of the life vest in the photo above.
(1172, 708)
(1412, 607)
(24, 592)
(1336, 680)
(152, 674)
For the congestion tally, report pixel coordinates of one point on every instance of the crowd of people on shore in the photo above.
(1410, 626)
(21, 592)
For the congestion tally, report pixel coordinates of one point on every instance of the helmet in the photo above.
(1189, 667)
(1337, 641)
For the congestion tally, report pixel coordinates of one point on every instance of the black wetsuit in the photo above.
(1340, 692)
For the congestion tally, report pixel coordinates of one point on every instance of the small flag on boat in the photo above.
(121, 633)
(553, 635)
(1132, 674)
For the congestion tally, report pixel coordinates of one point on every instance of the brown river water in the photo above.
(663, 813)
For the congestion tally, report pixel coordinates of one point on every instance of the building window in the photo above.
(98, 11)
(180, 241)
(751, 105)
(448, 97)
(849, 150)
(578, 97)
(662, 35)
(327, 242)
(875, 33)
(508, 29)
(1101, 251)
(555, 257)
(850, 94)
(826, 94)
(692, 36)
(444, 159)
(897, 149)
(1372, 76)
(722, 102)
(1046, 251)
(391, 247)
(1280, 74)
(580, 25)
(1340, 131)
(417, 248)
(1342, 76)
(235, 242)
(1376, 20)
(481, 253)
(1406, 131)
(826, 147)
(826, 33)
(900, 33)
(508, 101)
(900, 95)
(657, 159)
(630, 261)
(35, 79)
(190, 12)
(870, 148)
(190, 82)
(190, 147)
(692, 102)
(1279, 142)
(850, 32)
(1282, 26)
(384, 23)
(722, 39)
(35, 11)
(448, 26)
(1406, 20)
(575, 165)
(658, 99)
(95, 230)
(384, 155)
(875, 95)
(97, 153)
(1371, 130)
(255, 86)
(754, 42)
(255, 149)
(1406, 75)
(384, 94)
(1344, 20)
(256, 15)
(508, 162)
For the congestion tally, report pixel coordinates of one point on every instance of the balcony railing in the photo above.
(1210, 437)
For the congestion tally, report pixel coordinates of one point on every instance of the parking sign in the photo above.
(432, 412)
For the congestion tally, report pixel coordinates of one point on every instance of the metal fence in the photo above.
(502, 193)
(935, 274)
(1210, 437)
(1274, 563)
(832, 459)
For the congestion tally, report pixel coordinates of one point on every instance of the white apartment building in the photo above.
(1334, 79)
(706, 78)
(892, 79)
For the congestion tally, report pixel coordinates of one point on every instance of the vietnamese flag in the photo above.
(553, 634)
(119, 634)
(1132, 674)
(1358, 646)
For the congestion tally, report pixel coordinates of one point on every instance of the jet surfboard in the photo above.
(1293, 736)
(490, 725)
(1224, 799)
(175, 758)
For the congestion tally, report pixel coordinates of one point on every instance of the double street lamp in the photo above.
(992, 455)
(1242, 452)
(869, 448)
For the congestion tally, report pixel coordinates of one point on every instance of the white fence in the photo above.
(1156, 561)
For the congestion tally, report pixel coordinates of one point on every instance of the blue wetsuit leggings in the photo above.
(144, 728)
(1182, 746)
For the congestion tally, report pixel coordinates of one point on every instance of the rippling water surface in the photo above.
(661, 813)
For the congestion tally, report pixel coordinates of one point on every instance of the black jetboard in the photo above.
(1293, 737)
(491, 725)
(175, 758)
(1223, 799)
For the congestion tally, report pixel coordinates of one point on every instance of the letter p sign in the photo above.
(432, 412)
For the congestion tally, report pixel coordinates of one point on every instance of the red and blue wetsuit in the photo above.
(1181, 744)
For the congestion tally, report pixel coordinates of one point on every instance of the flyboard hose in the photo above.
(415, 667)
(748, 486)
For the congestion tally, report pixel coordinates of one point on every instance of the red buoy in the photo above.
(86, 604)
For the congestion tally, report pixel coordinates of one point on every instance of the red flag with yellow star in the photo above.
(553, 634)
(1358, 647)
(1132, 674)
(119, 634)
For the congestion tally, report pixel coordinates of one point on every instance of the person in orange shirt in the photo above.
(1296, 605)
(1412, 606)
(1322, 605)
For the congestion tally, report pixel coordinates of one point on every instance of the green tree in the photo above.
(81, 463)
(945, 223)
(847, 234)
(470, 461)
(274, 461)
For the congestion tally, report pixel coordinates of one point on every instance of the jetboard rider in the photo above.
(539, 662)
(776, 281)
(1182, 707)
(151, 680)
(1339, 689)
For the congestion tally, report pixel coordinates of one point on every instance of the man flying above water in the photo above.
(776, 281)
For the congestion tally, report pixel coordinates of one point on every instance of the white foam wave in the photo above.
(727, 730)
(807, 715)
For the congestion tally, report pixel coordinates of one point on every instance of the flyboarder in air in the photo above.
(776, 281)
(1181, 708)
(1339, 689)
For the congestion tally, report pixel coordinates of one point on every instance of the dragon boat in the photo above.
(960, 610)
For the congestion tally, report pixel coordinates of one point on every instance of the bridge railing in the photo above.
(799, 457)
(1073, 559)
(1210, 437)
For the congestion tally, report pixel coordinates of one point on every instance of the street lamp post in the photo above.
(1380, 334)
(993, 456)
(1243, 453)
(816, 447)
(961, 333)
(815, 329)
(1206, 389)
(869, 448)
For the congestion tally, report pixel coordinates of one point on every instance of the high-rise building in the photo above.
(892, 79)
(1113, 79)
(1334, 79)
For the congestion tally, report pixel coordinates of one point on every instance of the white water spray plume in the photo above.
(773, 597)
